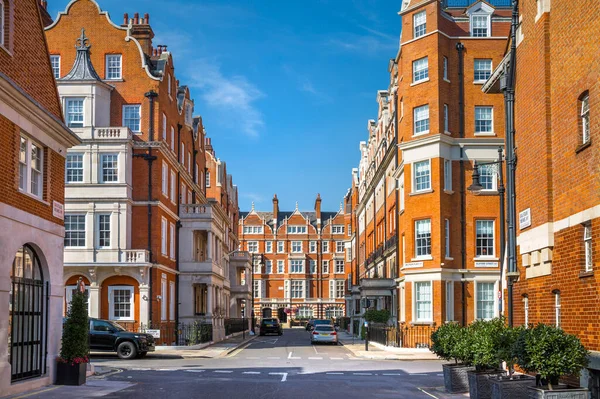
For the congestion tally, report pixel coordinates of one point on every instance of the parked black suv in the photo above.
(108, 336)
(270, 326)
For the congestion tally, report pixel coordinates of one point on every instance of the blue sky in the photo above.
(285, 88)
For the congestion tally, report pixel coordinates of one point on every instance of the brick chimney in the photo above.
(141, 30)
(275, 210)
(318, 210)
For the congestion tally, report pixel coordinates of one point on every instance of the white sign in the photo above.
(486, 264)
(413, 264)
(525, 218)
(58, 210)
(154, 333)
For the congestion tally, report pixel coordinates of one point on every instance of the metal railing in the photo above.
(402, 337)
(233, 326)
(179, 335)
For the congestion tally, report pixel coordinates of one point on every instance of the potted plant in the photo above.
(448, 343)
(513, 386)
(73, 360)
(552, 353)
(484, 339)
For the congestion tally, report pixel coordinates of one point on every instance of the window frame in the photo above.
(70, 123)
(557, 309)
(446, 119)
(477, 238)
(280, 247)
(280, 266)
(480, 108)
(297, 287)
(102, 178)
(207, 177)
(163, 235)
(477, 72)
(415, 187)
(108, 67)
(312, 247)
(172, 300)
(447, 174)
(478, 300)
(445, 68)
(269, 247)
(99, 230)
(172, 240)
(584, 117)
(69, 223)
(253, 247)
(111, 302)
(296, 247)
(420, 73)
(53, 58)
(337, 269)
(67, 168)
(449, 300)
(165, 179)
(126, 118)
(416, 301)
(447, 239)
(588, 247)
(297, 264)
(325, 247)
(485, 172)
(339, 245)
(420, 29)
(173, 186)
(163, 299)
(426, 248)
(416, 110)
(3, 22)
(296, 229)
(488, 28)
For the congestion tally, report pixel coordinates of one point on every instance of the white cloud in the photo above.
(364, 44)
(234, 97)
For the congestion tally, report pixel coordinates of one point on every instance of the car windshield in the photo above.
(117, 326)
(317, 322)
(269, 322)
(324, 329)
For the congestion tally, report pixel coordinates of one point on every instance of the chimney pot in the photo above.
(147, 18)
(125, 18)
(136, 18)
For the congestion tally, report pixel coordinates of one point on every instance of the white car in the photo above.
(324, 333)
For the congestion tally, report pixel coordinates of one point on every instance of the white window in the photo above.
(74, 112)
(172, 139)
(296, 247)
(313, 266)
(103, 231)
(339, 266)
(349, 230)
(280, 266)
(446, 119)
(526, 310)
(487, 177)
(269, 247)
(587, 240)
(305, 312)
(423, 301)
(121, 301)
(325, 247)
(165, 179)
(110, 168)
(132, 115)
(336, 289)
(172, 242)
(421, 124)
(325, 266)
(482, 70)
(421, 176)
(449, 301)
(113, 67)
(163, 236)
(296, 266)
(483, 120)
(480, 25)
(423, 238)
(169, 84)
(296, 230)
(447, 174)
(447, 237)
(280, 247)
(163, 299)
(337, 229)
(74, 230)
(484, 239)
(401, 195)
(173, 186)
(256, 286)
(253, 229)
(297, 288)
(485, 301)
(55, 62)
(445, 68)
(419, 24)
(339, 247)
(74, 167)
(257, 264)
(585, 119)
(312, 246)
(253, 247)
(207, 178)
(420, 70)
(268, 266)
(182, 156)
(172, 300)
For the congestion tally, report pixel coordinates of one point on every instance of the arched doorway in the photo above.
(28, 316)
(282, 315)
(267, 313)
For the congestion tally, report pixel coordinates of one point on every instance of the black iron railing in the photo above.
(402, 337)
(181, 334)
(233, 326)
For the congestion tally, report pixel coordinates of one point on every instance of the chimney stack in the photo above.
(275, 210)
(318, 210)
(125, 19)
(146, 19)
(142, 31)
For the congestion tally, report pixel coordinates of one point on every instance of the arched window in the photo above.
(27, 316)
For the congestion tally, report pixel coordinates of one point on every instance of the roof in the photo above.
(468, 3)
(82, 70)
(281, 216)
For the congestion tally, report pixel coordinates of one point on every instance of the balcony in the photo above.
(196, 211)
(135, 256)
(240, 258)
(103, 133)
(206, 267)
(241, 290)
(377, 286)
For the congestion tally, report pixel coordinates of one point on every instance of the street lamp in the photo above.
(260, 262)
(476, 189)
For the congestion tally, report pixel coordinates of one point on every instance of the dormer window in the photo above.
(480, 26)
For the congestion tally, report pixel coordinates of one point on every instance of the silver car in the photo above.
(324, 333)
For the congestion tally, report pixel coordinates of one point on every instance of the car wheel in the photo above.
(126, 350)
(141, 355)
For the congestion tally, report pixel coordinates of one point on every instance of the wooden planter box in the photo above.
(456, 379)
(515, 388)
(561, 392)
(67, 374)
(480, 386)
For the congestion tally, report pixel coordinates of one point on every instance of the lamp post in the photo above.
(476, 188)
(260, 262)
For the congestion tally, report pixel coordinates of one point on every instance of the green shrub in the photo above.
(550, 352)
(363, 332)
(507, 347)
(377, 316)
(484, 338)
(75, 339)
(448, 342)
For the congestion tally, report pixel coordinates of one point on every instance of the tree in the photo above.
(75, 340)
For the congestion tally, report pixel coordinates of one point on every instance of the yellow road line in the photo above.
(36, 393)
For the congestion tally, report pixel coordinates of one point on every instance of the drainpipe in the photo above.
(461, 133)
(151, 95)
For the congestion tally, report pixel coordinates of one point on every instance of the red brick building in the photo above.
(32, 161)
(428, 249)
(299, 260)
(557, 176)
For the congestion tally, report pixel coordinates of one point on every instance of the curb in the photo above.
(240, 345)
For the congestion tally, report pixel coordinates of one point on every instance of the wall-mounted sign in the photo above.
(486, 264)
(58, 210)
(525, 218)
(409, 265)
(154, 333)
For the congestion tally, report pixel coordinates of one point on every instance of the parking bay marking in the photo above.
(283, 376)
(292, 357)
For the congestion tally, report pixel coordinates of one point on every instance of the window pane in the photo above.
(131, 117)
(487, 177)
(23, 164)
(485, 301)
(113, 67)
(104, 231)
(480, 24)
(421, 175)
(423, 237)
(110, 168)
(36, 170)
(420, 69)
(421, 116)
(74, 168)
(75, 112)
(419, 22)
(74, 230)
(483, 69)
(483, 120)
(423, 300)
(484, 238)
(122, 303)
(55, 61)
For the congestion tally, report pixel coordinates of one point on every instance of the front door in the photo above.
(282, 315)
(267, 313)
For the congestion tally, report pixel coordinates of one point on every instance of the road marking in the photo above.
(440, 375)
(141, 369)
(195, 371)
(167, 369)
(427, 393)
(315, 358)
(223, 371)
(293, 358)
(418, 374)
(315, 349)
(253, 358)
(391, 374)
(336, 358)
(273, 358)
(37, 392)
(283, 376)
(251, 372)
(335, 373)
(362, 373)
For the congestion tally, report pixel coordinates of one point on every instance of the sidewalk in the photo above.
(380, 352)
(207, 350)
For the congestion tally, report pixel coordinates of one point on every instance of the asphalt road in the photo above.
(285, 366)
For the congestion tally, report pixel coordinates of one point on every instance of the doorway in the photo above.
(267, 313)
(281, 315)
